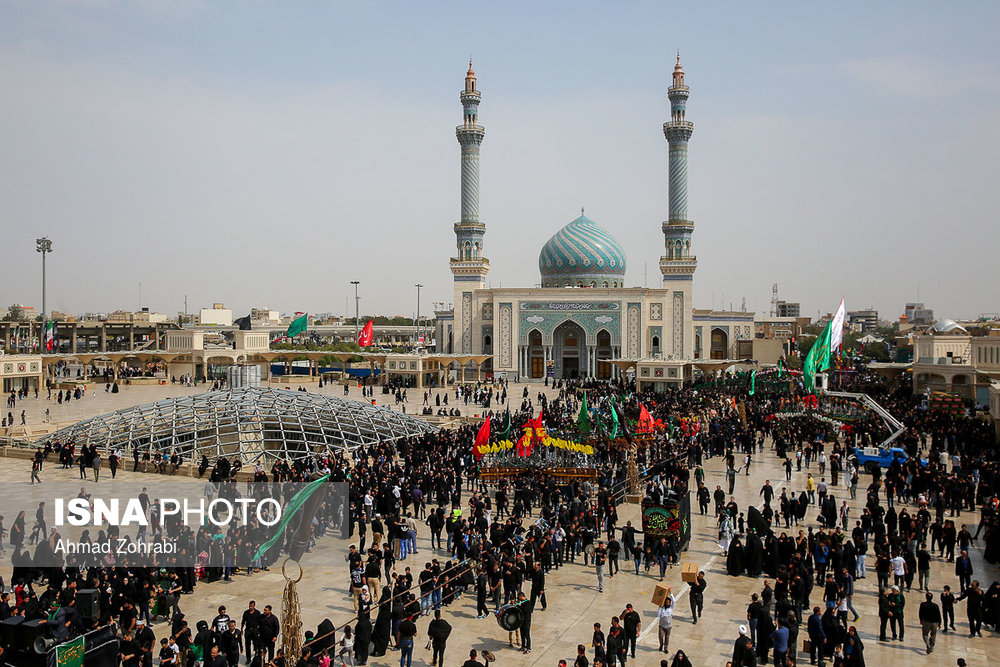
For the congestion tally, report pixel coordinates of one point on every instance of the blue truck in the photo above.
(870, 458)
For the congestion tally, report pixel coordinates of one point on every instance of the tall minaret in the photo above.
(678, 264)
(468, 266)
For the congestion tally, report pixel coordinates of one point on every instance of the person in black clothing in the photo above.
(633, 623)
(129, 651)
(482, 588)
(538, 586)
(230, 642)
(215, 659)
(472, 661)
(581, 657)
(268, 629)
(947, 609)
(974, 608)
(438, 631)
(250, 627)
(930, 618)
(696, 597)
(527, 607)
(382, 632)
(362, 635)
(167, 656)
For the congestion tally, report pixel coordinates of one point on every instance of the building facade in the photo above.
(583, 315)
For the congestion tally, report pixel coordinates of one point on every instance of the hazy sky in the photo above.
(267, 153)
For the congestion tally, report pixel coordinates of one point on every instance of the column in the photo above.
(131, 337)
(104, 338)
(72, 338)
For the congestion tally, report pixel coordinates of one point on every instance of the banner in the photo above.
(818, 358)
(837, 332)
(671, 518)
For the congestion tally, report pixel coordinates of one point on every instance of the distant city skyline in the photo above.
(267, 155)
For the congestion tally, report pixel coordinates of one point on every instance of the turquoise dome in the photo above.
(582, 254)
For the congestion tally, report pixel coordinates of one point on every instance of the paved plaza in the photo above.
(574, 603)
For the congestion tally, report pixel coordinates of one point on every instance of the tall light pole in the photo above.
(356, 302)
(44, 246)
(416, 320)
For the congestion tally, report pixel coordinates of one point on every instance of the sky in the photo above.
(268, 153)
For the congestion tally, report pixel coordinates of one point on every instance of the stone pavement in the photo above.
(574, 603)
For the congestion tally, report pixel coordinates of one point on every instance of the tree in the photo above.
(876, 351)
(15, 313)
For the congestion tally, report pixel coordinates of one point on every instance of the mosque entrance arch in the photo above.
(536, 355)
(570, 343)
(720, 344)
(604, 351)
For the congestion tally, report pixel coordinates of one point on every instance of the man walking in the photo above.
(633, 623)
(696, 596)
(438, 631)
(930, 620)
(600, 559)
(974, 608)
(817, 637)
(665, 615)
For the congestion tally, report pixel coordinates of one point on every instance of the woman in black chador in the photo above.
(734, 562)
(383, 624)
(753, 556)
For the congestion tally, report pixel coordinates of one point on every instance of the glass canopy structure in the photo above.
(256, 424)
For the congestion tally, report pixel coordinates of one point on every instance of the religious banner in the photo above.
(70, 654)
(671, 518)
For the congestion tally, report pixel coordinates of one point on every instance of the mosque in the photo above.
(584, 321)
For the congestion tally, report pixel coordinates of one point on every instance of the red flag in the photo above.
(645, 420)
(482, 439)
(534, 431)
(367, 334)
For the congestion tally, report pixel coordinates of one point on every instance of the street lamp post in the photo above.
(44, 246)
(356, 302)
(416, 322)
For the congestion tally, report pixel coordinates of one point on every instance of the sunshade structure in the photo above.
(257, 424)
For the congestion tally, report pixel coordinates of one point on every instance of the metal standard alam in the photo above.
(256, 424)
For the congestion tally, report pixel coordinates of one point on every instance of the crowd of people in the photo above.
(498, 543)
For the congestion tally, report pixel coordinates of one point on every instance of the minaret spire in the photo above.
(468, 266)
(678, 263)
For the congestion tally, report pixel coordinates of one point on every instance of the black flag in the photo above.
(243, 323)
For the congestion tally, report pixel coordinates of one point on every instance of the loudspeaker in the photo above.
(43, 644)
(88, 603)
(8, 630)
(28, 632)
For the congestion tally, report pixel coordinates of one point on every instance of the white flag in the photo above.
(837, 329)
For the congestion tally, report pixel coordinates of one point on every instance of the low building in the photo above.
(788, 309)
(947, 358)
(862, 321)
(21, 372)
(217, 315)
(917, 315)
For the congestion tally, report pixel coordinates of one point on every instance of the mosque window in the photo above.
(605, 284)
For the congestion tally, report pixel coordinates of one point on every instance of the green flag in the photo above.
(297, 501)
(70, 654)
(753, 382)
(818, 358)
(614, 421)
(583, 420)
(620, 419)
(297, 326)
(505, 426)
